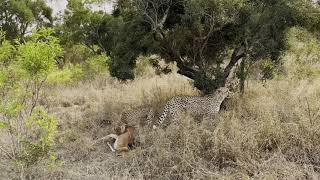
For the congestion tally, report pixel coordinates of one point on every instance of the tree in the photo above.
(201, 35)
(106, 33)
(18, 17)
(81, 25)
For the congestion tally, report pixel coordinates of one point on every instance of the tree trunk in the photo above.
(243, 75)
(206, 83)
(237, 54)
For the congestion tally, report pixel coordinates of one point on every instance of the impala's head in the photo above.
(120, 129)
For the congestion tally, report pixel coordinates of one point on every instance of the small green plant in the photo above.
(88, 70)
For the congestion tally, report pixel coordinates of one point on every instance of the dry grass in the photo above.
(272, 132)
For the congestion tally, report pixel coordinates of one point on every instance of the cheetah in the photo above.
(205, 106)
(139, 116)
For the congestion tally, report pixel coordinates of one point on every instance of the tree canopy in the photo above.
(206, 38)
(18, 17)
(201, 35)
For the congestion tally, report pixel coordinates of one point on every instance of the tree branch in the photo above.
(186, 71)
(238, 53)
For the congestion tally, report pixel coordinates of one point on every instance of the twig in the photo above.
(6, 153)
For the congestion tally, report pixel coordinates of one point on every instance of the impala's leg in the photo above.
(123, 149)
(112, 149)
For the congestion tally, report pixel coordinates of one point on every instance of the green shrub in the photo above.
(96, 65)
(69, 74)
(40, 139)
(6, 50)
(28, 131)
(72, 73)
(268, 69)
(37, 57)
(77, 54)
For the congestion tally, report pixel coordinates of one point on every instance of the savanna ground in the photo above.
(269, 132)
(272, 132)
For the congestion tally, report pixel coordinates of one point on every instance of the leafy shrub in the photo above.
(72, 73)
(40, 139)
(268, 67)
(69, 74)
(77, 54)
(37, 57)
(27, 130)
(96, 65)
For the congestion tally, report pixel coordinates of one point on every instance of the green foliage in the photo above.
(82, 25)
(3, 125)
(6, 50)
(69, 74)
(126, 50)
(18, 16)
(108, 33)
(267, 66)
(87, 70)
(41, 139)
(37, 56)
(23, 71)
(198, 35)
(77, 54)
(96, 65)
(47, 125)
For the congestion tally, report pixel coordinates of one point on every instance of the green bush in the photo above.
(77, 54)
(27, 128)
(72, 73)
(69, 74)
(96, 65)
(37, 57)
(39, 142)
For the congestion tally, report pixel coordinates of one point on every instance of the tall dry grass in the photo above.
(271, 132)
